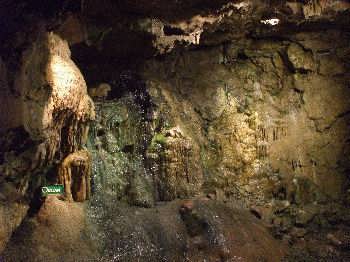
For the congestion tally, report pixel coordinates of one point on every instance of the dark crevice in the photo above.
(14, 140)
(168, 30)
(256, 214)
(35, 203)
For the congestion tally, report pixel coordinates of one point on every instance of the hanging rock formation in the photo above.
(51, 122)
(56, 107)
(75, 174)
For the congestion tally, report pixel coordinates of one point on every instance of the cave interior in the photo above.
(173, 130)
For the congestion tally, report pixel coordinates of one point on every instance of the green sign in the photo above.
(52, 190)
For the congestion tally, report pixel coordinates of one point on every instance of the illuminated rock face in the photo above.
(56, 106)
(50, 114)
(318, 7)
(175, 167)
(270, 118)
(75, 174)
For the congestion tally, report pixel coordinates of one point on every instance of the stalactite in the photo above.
(262, 151)
(262, 133)
(75, 174)
(56, 107)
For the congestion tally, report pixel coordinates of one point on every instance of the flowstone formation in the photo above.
(75, 174)
(270, 120)
(51, 122)
(196, 230)
(56, 107)
(116, 141)
(138, 159)
(173, 162)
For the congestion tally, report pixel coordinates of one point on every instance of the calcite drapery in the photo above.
(281, 117)
(46, 106)
(75, 173)
(56, 106)
(173, 158)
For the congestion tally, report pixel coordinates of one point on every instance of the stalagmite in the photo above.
(75, 173)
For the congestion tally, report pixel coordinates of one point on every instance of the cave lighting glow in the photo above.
(63, 75)
(271, 21)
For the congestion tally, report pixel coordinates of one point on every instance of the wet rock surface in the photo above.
(55, 233)
(194, 230)
(75, 174)
(321, 245)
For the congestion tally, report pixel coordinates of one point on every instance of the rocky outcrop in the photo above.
(117, 142)
(99, 92)
(299, 58)
(184, 230)
(11, 216)
(177, 231)
(320, 7)
(139, 159)
(175, 23)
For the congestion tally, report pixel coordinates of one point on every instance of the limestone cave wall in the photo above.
(268, 118)
(228, 101)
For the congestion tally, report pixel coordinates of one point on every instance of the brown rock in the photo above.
(298, 232)
(101, 91)
(300, 58)
(331, 65)
(186, 206)
(176, 172)
(55, 96)
(72, 30)
(75, 174)
(57, 233)
(11, 216)
(334, 240)
(306, 214)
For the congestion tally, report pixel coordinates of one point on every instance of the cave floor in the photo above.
(182, 230)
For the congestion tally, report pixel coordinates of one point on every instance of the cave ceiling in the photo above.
(115, 32)
(235, 18)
